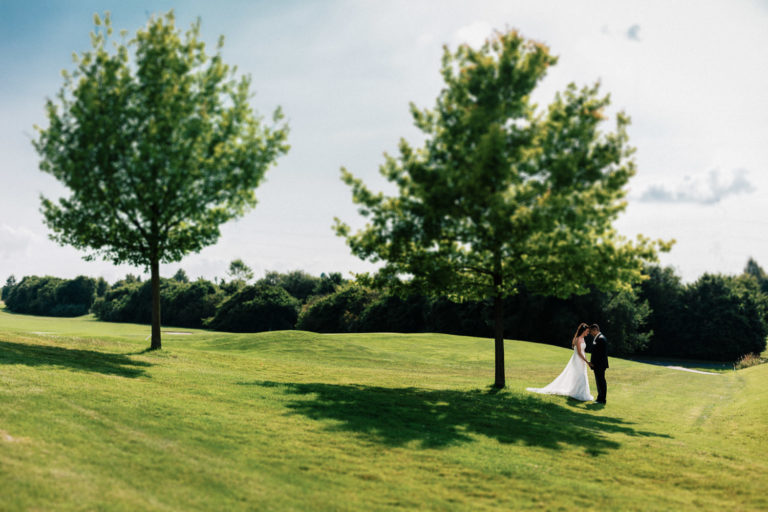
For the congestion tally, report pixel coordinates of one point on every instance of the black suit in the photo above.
(599, 362)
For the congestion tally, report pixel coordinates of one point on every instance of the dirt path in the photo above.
(674, 366)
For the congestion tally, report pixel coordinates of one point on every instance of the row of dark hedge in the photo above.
(719, 318)
(182, 304)
(272, 303)
(528, 317)
(50, 296)
(716, 318)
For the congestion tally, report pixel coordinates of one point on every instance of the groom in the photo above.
(599, 361)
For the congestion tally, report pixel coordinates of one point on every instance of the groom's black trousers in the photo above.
(602, 386)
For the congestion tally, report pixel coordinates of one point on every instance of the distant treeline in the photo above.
(272, 303)
(52, 296)
(717, 317)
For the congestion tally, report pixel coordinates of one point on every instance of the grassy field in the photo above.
(302, 421)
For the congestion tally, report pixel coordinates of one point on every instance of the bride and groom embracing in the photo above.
(573, 381)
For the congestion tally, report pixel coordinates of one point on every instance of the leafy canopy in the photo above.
(157, 143)
(239, 271)
(504, 194)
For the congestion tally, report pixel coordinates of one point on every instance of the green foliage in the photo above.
(329, 283)
(126, 301)
(158, 145)
(181, 276)
(158, 150)
(470, 318)
(717, 317)
(664, 292)
(756, 272)
(392, 313)
(256, 308)
(232, 287)
(621, 315)
(189, 304)
(624, 315)
(298, 283)
(752, 268)
(337, 312)
(9, 284)
(303, 286)
(75, 297)
(723, 320)
(421, 313)
(239, 271)
(52, 296)
(503, 196)
(34, 295)
(101, 287)
(184, 304)
(747, 286)
(128, 279)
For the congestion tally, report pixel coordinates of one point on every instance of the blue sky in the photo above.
(693, 77)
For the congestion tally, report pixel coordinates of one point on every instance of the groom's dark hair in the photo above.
(594, 326)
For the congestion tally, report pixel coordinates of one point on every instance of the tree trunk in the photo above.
(498, 325)
(156, 345)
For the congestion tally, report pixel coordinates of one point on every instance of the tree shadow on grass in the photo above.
(75, 359)
(438, 418)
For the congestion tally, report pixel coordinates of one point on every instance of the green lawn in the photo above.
(302, 421)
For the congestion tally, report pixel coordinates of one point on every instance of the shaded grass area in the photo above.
(28, 354)
(302, 421)
(439, 418)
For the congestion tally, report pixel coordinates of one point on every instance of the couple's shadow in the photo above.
(438, 418)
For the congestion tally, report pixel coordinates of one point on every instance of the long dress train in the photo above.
(572, 382)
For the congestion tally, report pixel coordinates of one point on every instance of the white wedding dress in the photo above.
(573, 381)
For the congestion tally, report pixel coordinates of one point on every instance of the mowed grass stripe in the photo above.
(304, 421)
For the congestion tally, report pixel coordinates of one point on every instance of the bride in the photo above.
(573, 381)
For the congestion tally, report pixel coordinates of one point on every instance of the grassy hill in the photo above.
(303, 421)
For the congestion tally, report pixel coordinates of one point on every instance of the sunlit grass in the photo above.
(303, 421)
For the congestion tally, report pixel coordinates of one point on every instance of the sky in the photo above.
(693, 76)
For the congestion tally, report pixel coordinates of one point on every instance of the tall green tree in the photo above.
(9, 284)
(239, 271)
(181, 276)
(158, 145)
(503, 194)
(664, 292)
(298, 283)
(755, 271)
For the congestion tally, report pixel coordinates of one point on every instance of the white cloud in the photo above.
(710, 190)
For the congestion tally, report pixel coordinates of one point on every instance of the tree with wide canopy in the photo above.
(158, 145)
(502, 194)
